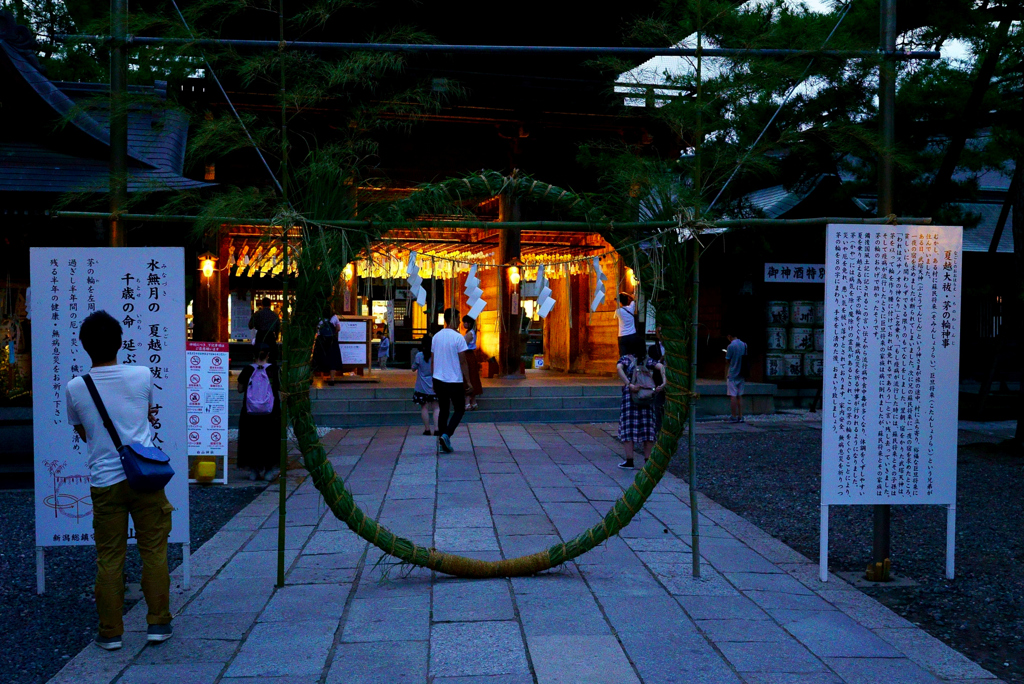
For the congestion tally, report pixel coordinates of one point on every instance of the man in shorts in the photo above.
(734, 381)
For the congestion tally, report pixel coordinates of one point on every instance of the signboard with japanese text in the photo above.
(206, 366)
(353, 331)
(144, 289)
(892, 338)
(794, 273)
(241, 312)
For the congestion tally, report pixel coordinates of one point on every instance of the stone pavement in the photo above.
(627, 612)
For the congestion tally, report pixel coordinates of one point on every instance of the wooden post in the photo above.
(509, 250)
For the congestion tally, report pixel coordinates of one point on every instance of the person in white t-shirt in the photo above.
(450, 367)
(630, 341)
(127, 394)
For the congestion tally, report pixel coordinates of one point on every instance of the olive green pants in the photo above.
(151, 515)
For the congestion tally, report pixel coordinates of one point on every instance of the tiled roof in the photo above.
(979, 238)
(79, 160)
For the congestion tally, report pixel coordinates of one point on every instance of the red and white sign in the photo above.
(207, 398)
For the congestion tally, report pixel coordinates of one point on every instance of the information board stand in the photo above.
(892, 332)
(354, 342)
(206, 364)
(144, 289)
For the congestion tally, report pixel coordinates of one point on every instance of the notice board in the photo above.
(207, 398)
(144, 289)
(892, 331)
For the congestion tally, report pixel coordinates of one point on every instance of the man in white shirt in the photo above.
(127, 394)
(449, 359)
(735, 379)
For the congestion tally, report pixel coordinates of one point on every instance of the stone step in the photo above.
(378, 406)
(409, 417)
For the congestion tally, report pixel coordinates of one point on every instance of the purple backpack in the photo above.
(259, 397)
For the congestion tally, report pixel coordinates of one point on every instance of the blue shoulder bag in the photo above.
(147, 468)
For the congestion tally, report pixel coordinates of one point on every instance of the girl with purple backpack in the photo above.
(259, 424)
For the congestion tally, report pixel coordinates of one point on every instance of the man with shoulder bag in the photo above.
(111, 409)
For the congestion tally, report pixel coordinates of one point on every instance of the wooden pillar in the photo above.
(509, 250)
(223, 276)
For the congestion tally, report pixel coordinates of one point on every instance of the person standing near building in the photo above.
(637, 411)
(127, 393)
(630, 341)
(259, 423)
(267, 325)
(423, 393)
(384, 350)
(326, 352)
(450, 369)
(476, 389)
(736, 378)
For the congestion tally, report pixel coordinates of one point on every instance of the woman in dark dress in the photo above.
(326, 352)
(259, 435)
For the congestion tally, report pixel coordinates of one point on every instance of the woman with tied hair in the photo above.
(423, 393)
(476, 389)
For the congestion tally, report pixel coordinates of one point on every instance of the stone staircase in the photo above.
(359, 405)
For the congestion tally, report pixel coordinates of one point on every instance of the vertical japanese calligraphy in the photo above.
(144, 289)
(892, 329)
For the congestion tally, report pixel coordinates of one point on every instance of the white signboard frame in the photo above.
(890, 396)
(144, 288)
(206, 397)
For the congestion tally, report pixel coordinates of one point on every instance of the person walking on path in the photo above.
(450, 369)
(259, 424)
(384, 350)
(327, 353)
(476, 389)
(636, 413)
(127, 393)
(734, 381)
(630, 340)
(423, 393)
(267, 325)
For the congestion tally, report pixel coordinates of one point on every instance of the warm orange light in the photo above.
(207, 264)
(348, 272)
(513, 275)
(208, 267)
(631, 277)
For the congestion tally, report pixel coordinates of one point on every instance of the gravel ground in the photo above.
(772, 479)
(39, 634)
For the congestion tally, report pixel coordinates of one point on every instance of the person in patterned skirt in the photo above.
(636, 421)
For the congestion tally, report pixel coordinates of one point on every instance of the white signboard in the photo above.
(892, 351)
(241, 312)
(352, 331)
(794, 273)
(206, 365)
(353, 354)
(144, 289)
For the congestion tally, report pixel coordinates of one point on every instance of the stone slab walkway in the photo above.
(628, 612)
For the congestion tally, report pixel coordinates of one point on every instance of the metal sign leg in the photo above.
(950, 540)
(40, 571)
(186, 566)
(823, 545)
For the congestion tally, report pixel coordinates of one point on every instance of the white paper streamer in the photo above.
(599, 290)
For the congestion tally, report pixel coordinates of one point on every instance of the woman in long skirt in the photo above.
(326, 352)
(636, 421)
(259, 434)
(474, 365)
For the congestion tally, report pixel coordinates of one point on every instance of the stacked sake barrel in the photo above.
(795, 340)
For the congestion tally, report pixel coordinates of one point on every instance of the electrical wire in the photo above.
(234, 111)
(784, 102)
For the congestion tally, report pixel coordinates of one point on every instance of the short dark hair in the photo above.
(265, 302)
(468, 321)
(625, 298)
(100, 334)
(450, 315)
(654, 352)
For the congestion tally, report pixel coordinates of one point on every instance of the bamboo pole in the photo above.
(425, 48)
(282, 478)
(577, 226)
